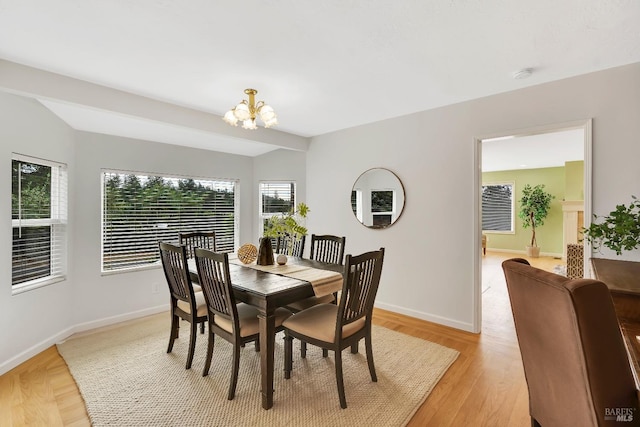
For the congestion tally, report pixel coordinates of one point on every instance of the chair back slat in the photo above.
(215, 280)
(289, 245)
(362, 278)
(174, 264)
(198, 239)
(327, 248)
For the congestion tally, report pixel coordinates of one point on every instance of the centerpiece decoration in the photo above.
(289, 225)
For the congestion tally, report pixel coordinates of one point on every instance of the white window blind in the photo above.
(277, 197)
(39, 222)
(140, 210)
(497, 207)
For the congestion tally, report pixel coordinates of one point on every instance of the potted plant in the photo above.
(290, 224)
(618, 231)
(534, 208)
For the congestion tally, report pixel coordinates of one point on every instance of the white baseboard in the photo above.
(468, 327)
(38, 348)
(511, 251)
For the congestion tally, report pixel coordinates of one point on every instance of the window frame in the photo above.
(512, 184)
(263, 216)
(158, 263)
(57, 221)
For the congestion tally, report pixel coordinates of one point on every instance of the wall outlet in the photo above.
(155, 287)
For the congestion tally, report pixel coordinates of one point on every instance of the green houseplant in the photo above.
(534, 208)
(618, 231)
(290, 224)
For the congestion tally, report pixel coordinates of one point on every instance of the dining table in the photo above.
(268, 290)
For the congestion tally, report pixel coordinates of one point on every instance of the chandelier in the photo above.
(246, 112)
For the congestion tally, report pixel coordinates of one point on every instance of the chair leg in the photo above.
(192, 344)
(325, 352)
(210, 344)
(288, 349)
(339, 379)
(303, 349)
(202, 327)
(256, 343)
(369, 349)
(234, 372)
(174, 332)
(354, 348)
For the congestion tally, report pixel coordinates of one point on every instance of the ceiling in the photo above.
(323, 65)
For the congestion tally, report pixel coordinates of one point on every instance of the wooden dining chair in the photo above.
(336, 327)
(327, 248)
(289, 245)
(237, 323)
(185, 303)
(198, 239)
(324, 248)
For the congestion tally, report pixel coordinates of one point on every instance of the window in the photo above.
(276, 198)
(382, 202)
(497, 207)
(39, 222)
(140, 210)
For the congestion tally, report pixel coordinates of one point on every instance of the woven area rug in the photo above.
(127, 379)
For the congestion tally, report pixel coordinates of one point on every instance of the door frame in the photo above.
(586, 126)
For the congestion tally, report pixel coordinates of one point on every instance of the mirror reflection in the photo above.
(377, 198)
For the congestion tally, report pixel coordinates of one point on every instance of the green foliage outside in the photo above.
(31, 191)
(534, 208)
(618, 231)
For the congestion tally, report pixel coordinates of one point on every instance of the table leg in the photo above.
(267, 347)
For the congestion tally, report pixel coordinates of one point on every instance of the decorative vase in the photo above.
(281, 259)
(533, 251)
(265, 252)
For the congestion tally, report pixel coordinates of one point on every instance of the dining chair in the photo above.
(235, 322)
(289, 245)
(574, 357)
(198, 239)
(185, 303)
(336, 327)
(327, 248)
(324, 248)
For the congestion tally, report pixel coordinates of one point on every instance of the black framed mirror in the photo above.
(377, 198)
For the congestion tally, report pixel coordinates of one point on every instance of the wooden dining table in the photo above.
(267, 291)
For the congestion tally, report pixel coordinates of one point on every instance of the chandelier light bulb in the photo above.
(230, 118)
(246, 112)
(249, 124)
(242, 112)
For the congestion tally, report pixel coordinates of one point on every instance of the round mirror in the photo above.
(377, 198)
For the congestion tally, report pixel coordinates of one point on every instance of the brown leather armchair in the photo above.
(574, 358)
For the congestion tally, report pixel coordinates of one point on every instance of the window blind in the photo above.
(39, 221)
(277, 197)
(140, 210)
(497, 207)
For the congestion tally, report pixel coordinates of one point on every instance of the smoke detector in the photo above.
(522, 74)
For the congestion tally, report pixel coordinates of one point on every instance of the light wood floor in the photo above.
(484, 387)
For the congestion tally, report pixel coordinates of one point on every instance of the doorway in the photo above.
(518, 150)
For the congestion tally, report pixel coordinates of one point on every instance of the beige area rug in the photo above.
(127, 379)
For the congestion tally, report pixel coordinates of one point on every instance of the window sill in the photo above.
(36, 284)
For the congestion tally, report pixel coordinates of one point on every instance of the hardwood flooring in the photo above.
(484, 387)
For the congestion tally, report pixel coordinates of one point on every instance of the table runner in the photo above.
(324, 282)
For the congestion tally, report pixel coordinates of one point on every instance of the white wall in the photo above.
(101, 297)
(279, 165)
(30, 318)
(429, 260)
